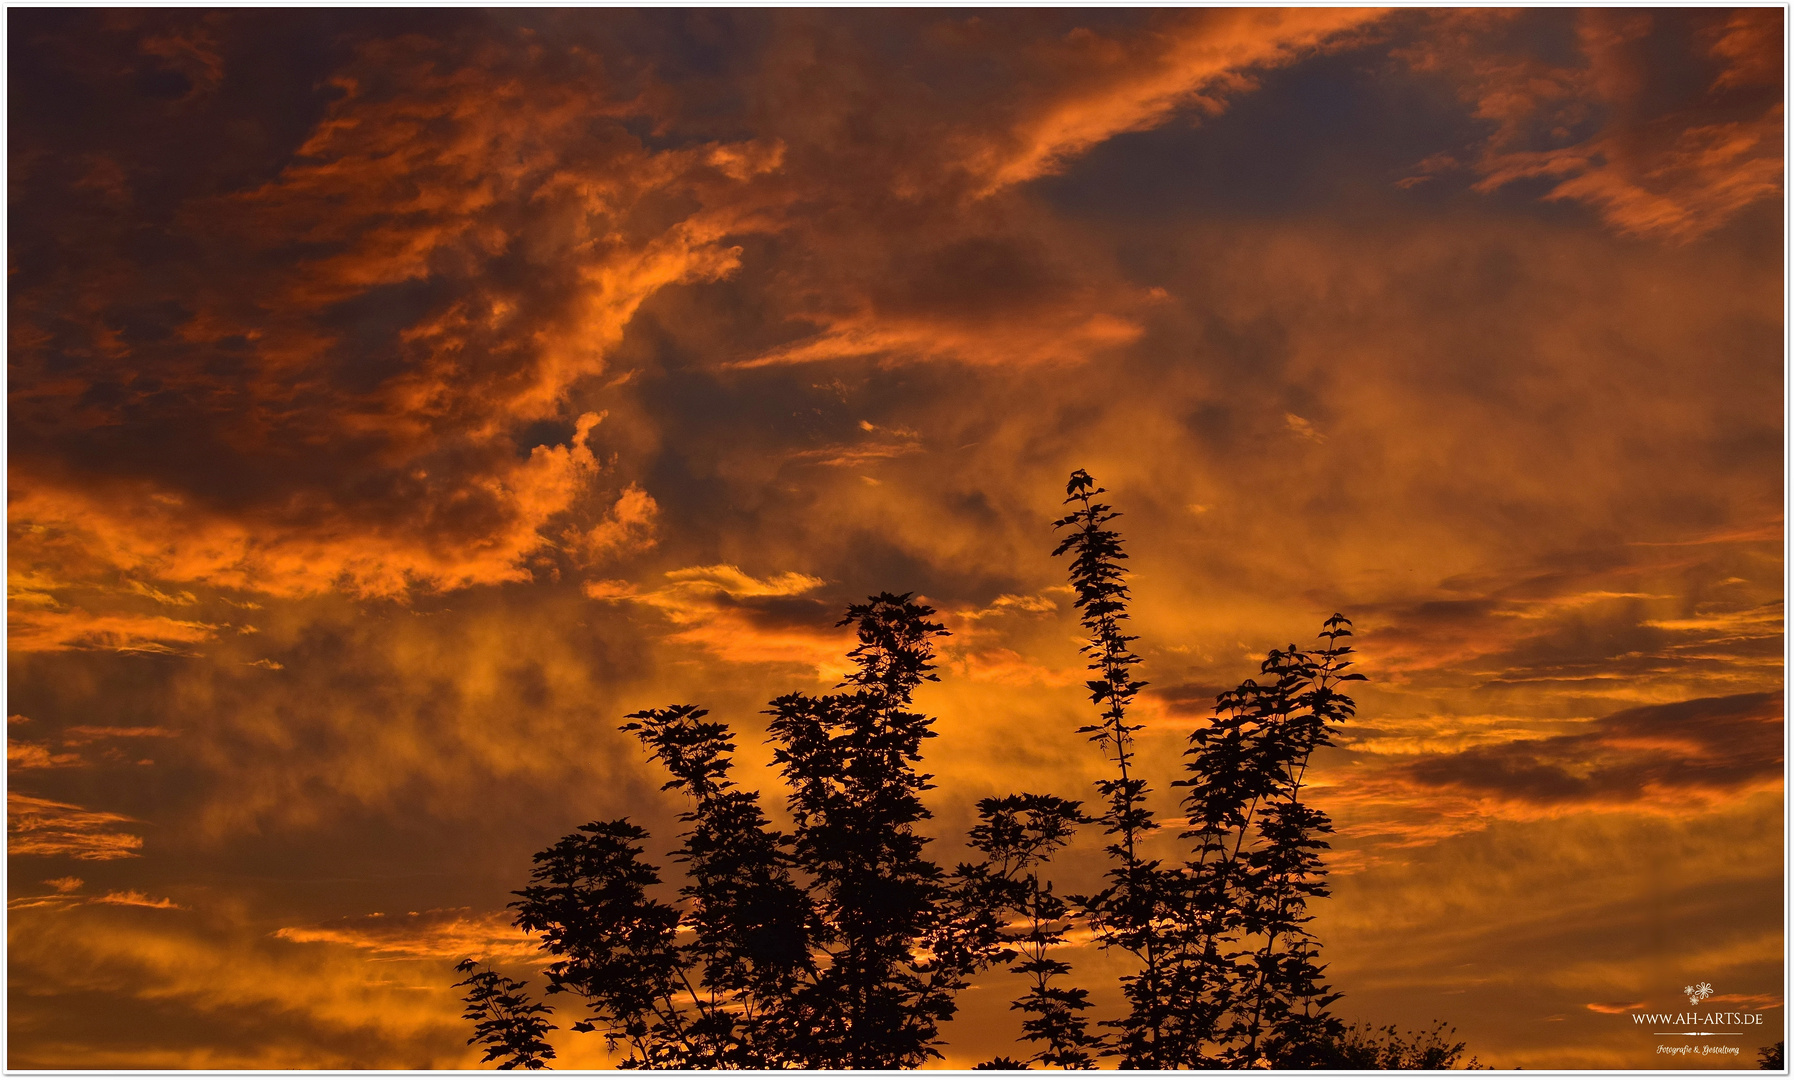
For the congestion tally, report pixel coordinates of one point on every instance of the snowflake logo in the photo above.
(1698, 993)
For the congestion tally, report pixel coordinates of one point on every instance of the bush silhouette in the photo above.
(1361, 1046)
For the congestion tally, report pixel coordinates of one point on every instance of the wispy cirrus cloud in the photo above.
(1100, 86)
(1588, 129)
(446, 934)
(1663, 758)
(1671, 760)
(75, 746)
(46, 827)
(66, 898)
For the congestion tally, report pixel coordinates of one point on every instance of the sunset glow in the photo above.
(398, 398)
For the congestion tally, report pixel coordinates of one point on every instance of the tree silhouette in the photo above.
(842, 945)
(1257, 862)
(1128, 912)
(1227, 973)
(837, 945)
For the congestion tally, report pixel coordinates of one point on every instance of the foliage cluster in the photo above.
(1362, 1046)
(1770, 1057)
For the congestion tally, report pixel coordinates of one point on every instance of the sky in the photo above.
(399, 398)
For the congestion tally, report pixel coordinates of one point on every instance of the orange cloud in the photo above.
(67, 897)
(1748, 43)
(291, 550)
(433, 167)
(878, 446)
(1679, 188)
(45, 827)
(1676, 175)
(474, 156)
(1071, 337)
(192, 51)
(74, 628)
(538, 306)
(447, 934)
(629, 526)
(82, 734)
(739, 618)
(25, 755)
(199, 972)
(29, 755)
(1104, 86)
